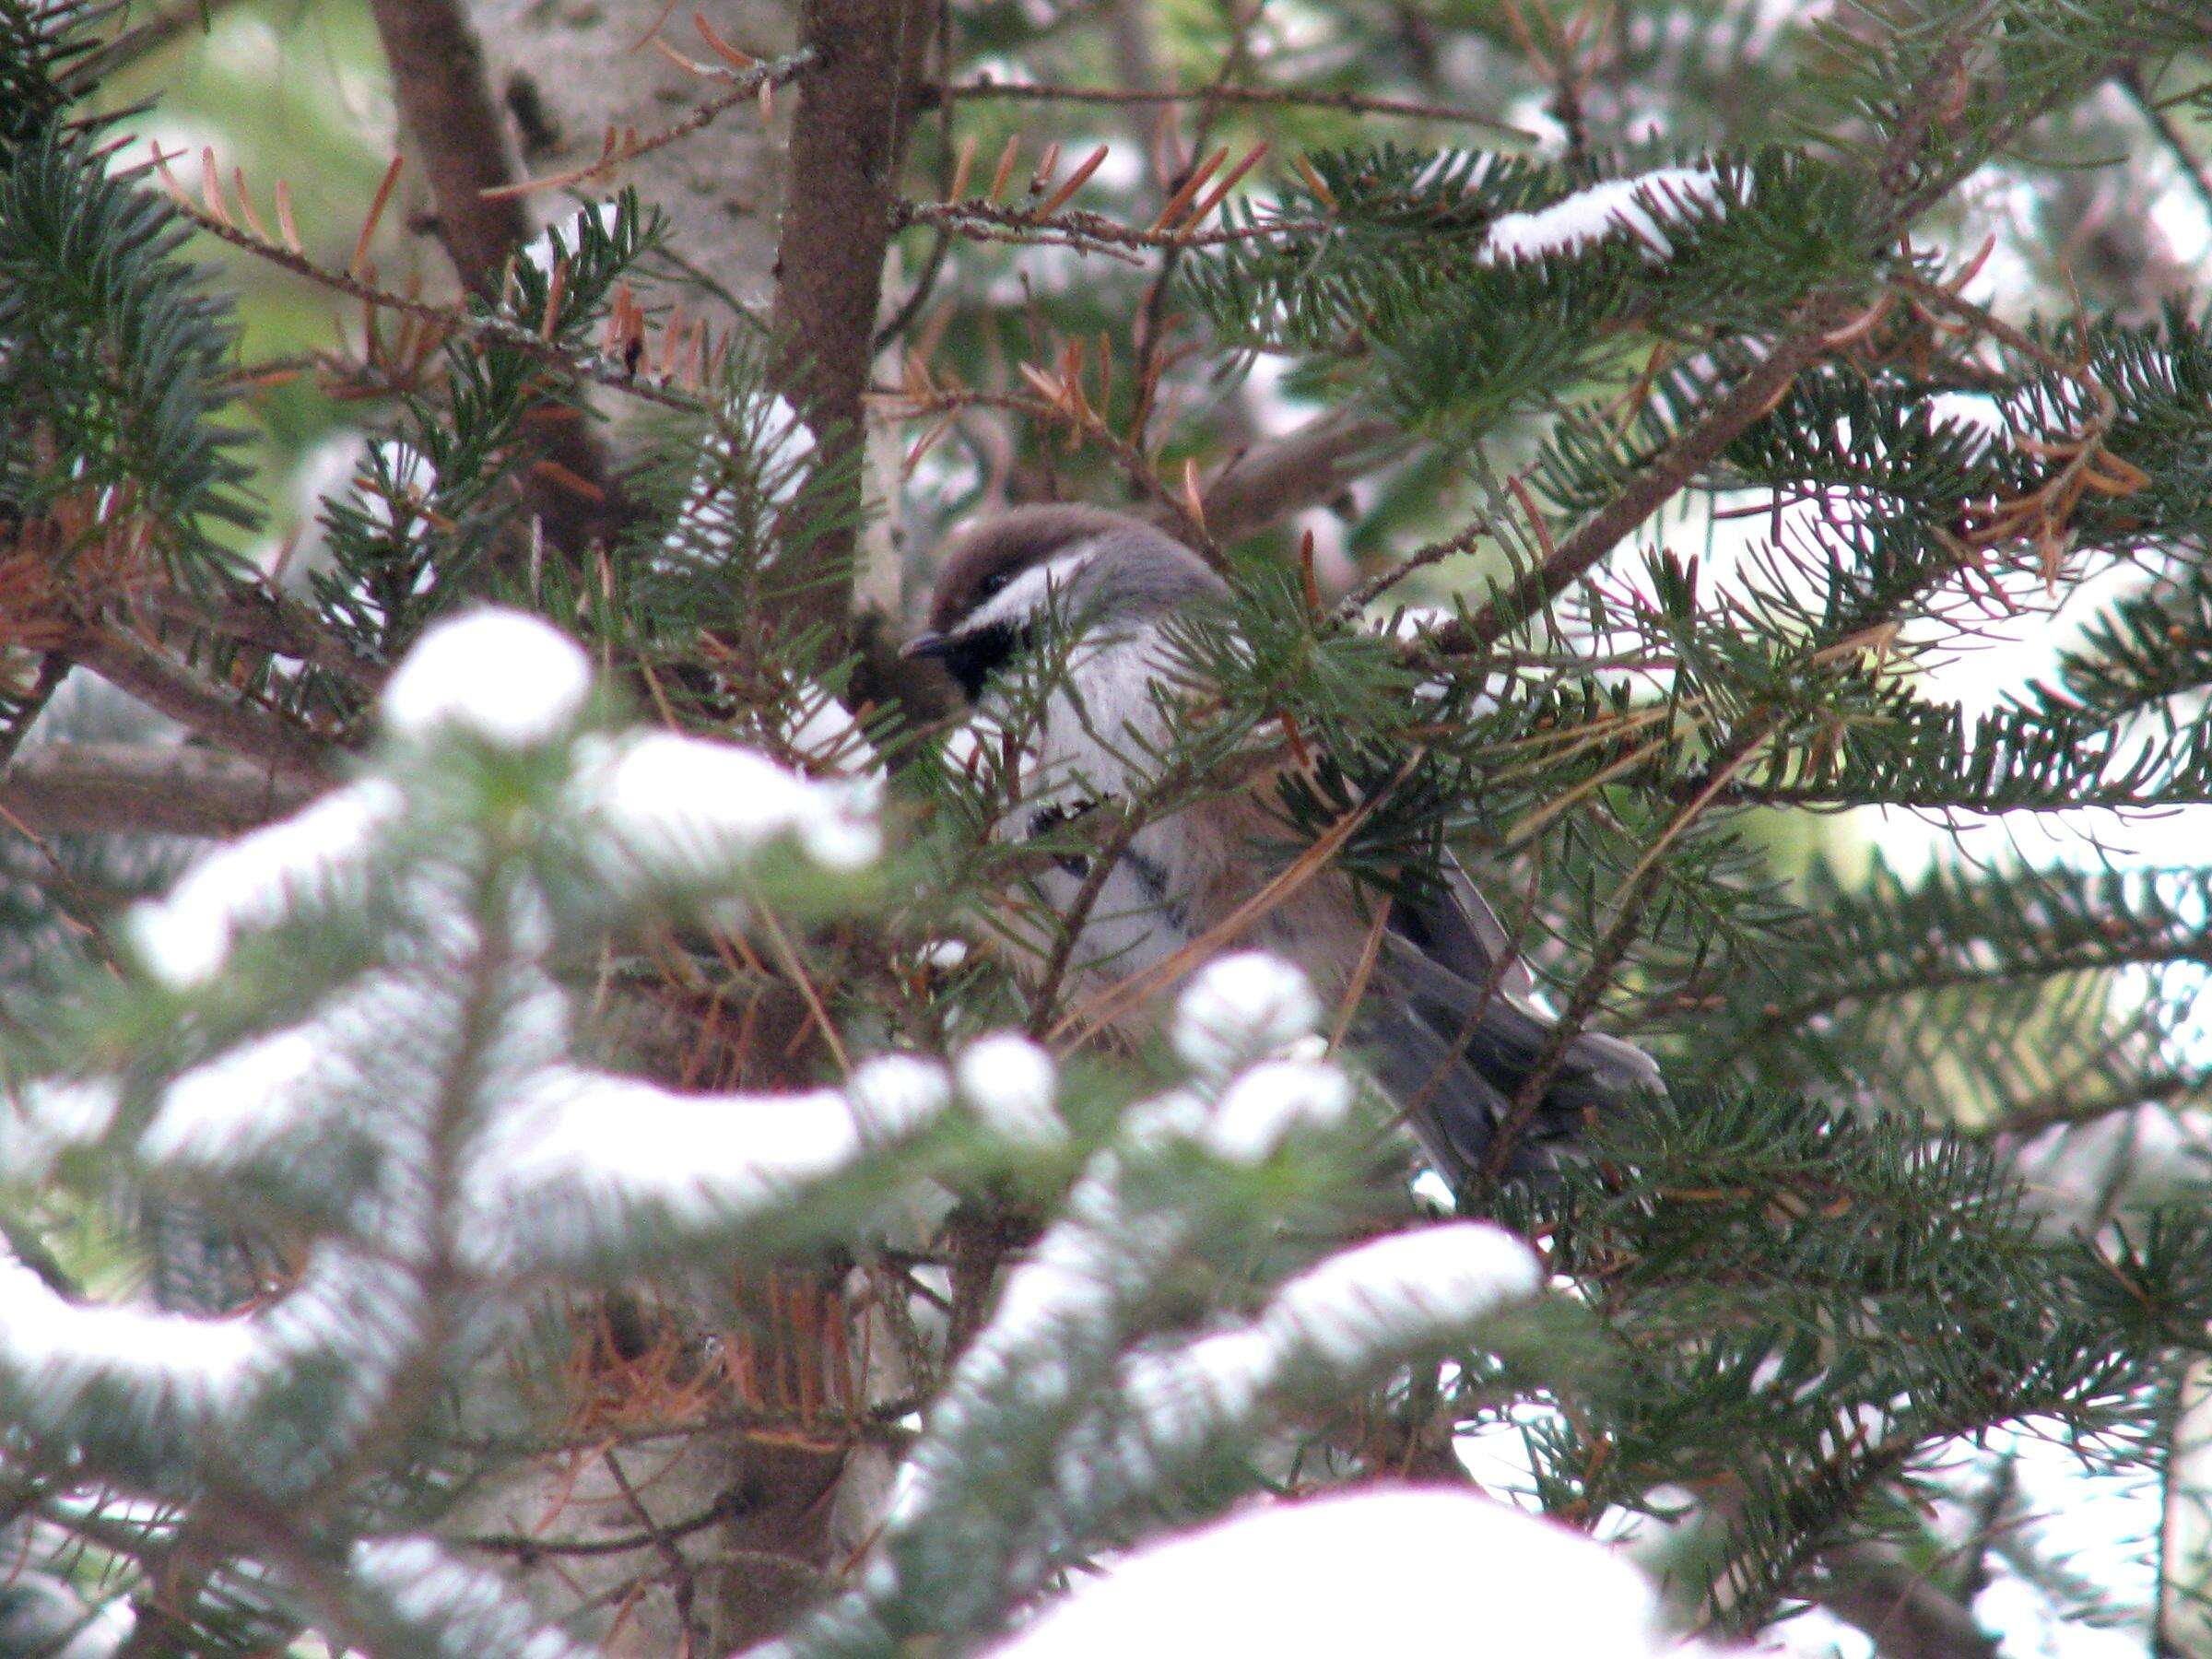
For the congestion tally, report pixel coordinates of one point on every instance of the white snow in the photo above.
(577, 1153)
(450, 1603)
(895, 1095)
(238, 1104)
(1976, 411)
(62, 1350)
(688, 805)
(1399, 1289)
(779, 443)
(1010, 1082)
(1069, 1278)
(627, 1139)
(1362, 1310)
(539, 249)
(822, 733)
(184, 938)
(45, 1119)
(500, 675)
(1386, 1570)
(1271, 1102)
(412, 475)
(1241, 1010)
(1215, 1382)
(1639, 207)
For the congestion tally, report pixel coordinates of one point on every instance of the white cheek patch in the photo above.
(1031, 591)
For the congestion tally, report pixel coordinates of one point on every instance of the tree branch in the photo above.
(500, 329)
(447, 110)
(171, 788)
(446, 107)
(1902, 195)
(1902, 1612)
(847, 138)
(269, 622)
(744, 89)
(1359, 103)
(169, 688)
(1303, 469)
(1668, 476)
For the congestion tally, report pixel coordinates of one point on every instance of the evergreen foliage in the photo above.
(644, 952)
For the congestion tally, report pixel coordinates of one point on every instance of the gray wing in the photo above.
(1454, 1057)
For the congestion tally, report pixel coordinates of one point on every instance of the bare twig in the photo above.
(744, 89)
(465, 322)
(530, 1548)
(1382, 581)
(1091, 232)
(61, 788)
(682, 1586)
(940, 243)
(1355, 102)
(278, 625)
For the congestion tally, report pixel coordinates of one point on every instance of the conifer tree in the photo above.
(524, 1131)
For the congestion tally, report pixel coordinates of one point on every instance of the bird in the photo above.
(1449, 1023)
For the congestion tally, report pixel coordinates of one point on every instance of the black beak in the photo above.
(927, 643)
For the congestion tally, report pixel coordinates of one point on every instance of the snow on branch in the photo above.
(502, 677)
(1010, 1083)
(677, 809)
(1241, 1010)
(417, 1112)
(1401, 1294)
(1641, 208)
(316, 856)
(654, 808)
(1359, 1314)
(412, 1596)
(1381, 1571)
(161, 1403)
(1060, 1400)
(583, 1169)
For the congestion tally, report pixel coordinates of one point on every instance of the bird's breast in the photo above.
(1189, 886)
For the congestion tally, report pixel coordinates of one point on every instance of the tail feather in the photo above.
(1450, 1030)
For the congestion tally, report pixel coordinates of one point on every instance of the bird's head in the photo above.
(1005, 579)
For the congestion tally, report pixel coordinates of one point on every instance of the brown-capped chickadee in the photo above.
(1448, 1024)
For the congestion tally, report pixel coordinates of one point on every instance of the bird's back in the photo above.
(1447, 1020)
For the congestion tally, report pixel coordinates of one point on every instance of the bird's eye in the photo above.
(992, 585)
